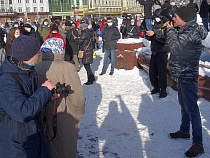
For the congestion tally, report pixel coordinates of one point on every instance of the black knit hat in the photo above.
(184, 13)
(27, 25)
(68, 23)
(24, 47)
(54, 27)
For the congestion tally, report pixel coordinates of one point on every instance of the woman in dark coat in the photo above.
(86, 43)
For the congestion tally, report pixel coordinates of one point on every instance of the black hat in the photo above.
(184, 13)
(27, 25)
(54, 27)
(68, 23)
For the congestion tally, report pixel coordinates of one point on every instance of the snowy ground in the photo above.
(123, 120)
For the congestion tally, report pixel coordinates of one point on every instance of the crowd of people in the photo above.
(40, 119)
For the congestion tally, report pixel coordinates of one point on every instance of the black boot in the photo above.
(163, 93)
(155, 90)
(91, 78)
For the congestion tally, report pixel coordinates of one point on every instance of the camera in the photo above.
(62, 89)
(164, 13)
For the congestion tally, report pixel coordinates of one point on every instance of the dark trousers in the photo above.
(89, 72)
(157, 70)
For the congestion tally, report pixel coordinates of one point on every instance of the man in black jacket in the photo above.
(194, 8)
(147, 12)
(158, 61)
(110, 34)
(72, 48)
(185, 48)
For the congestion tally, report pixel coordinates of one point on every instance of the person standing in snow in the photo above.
(186, 47)
(110, 35)
(158, 61)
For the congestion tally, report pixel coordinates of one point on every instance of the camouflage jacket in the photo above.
(185, 50)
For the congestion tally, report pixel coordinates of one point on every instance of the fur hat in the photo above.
(25, 47)
(184, 13)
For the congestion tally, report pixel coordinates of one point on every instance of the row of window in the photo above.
(27, 1)
(108, 9)
(20, 9)
(107, 2)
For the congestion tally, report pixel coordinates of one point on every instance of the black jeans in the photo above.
(157, 70)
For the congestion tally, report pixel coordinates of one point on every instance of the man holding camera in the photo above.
(186, 47)
(21, 133)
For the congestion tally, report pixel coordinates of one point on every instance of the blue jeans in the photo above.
(205, 23)
(148, 24)
(187, 94)
(109, 55)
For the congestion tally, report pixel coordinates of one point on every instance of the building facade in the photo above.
(24, 9)
(67, 8)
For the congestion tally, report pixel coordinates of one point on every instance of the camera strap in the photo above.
(54, 123)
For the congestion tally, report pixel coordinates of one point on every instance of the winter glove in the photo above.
(130, 34)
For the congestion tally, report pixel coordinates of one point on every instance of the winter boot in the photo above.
(111, 73)
(91, 78)
(163, 93)
(195, 150)
(179, 135)
(155, 90)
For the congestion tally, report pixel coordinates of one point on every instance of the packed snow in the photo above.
(123, 120)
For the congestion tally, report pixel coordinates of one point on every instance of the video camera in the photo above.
(165, 14)
(62, 89)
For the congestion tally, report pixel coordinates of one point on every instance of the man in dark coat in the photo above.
(71, 46)
(158, 61)
(86, 43)
(147, 12)
(185, 48)
(30, 31)
(110, 34)
(133, 30)
(194, 8)
(21, 133)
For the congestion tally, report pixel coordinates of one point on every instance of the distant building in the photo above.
(28, 10)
